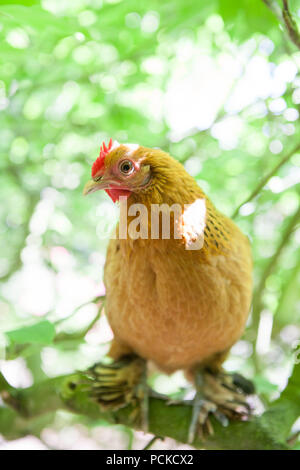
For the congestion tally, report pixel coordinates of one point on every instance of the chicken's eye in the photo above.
(126, 167)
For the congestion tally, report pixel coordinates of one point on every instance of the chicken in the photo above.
(180, 301)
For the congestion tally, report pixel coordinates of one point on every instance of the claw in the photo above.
(221, 418)
(221, 395)
(120, 383)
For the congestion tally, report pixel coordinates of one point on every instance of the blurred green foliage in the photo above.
(75, 73)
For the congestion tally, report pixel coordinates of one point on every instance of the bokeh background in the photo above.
(217, 85)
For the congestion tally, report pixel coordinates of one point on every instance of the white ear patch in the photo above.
(193, 224)
(115, 145)
(132, 147)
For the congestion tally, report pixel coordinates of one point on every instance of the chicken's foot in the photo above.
(229, 392)
(202, 408)
(221, 395)
(120, 383)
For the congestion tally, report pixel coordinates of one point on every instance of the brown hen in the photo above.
(180, 301)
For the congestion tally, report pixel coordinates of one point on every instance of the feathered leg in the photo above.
(220, 394)
(122, 382)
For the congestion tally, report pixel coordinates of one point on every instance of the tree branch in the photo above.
(266, 178)
(286, 16)
(290, 24)
(273, 6)
(257, 300)
(270, 431)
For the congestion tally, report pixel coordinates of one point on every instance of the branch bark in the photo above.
(270, 431)
(286, 17)
(290, 24)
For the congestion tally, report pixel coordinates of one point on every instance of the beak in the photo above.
(103, 183)
(92, 186)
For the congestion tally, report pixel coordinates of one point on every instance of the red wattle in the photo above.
(115, 193)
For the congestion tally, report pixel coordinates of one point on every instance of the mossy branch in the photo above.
(269, 431)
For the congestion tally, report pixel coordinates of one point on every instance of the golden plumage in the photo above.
(177, 307)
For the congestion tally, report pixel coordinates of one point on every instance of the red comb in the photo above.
(99, 163)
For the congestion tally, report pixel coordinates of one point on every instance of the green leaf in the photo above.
(245, 17)
(26, 3)
(292, 391)
(262, 385)
(21, 16)
(40, 333)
